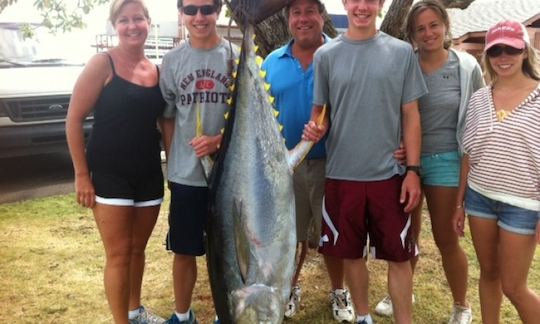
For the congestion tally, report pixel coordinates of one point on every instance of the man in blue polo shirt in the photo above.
(290, 74)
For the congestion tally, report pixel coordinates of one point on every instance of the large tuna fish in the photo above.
(251, 227)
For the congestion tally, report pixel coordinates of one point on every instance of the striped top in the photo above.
(504, 156)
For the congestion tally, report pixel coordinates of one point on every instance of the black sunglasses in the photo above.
(206, 10)
(496, 51)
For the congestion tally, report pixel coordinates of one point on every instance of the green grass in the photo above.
(52, 259)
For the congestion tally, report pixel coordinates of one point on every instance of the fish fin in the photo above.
(207, 164)
(271, 99)
(267, 86)
(299, 152)
(198, 121)
(259, 60)
(241, 240)
(226, 115)
(234, 74)
(276, 113)
(262, 74)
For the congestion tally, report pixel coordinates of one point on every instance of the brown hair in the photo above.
(116, 7)
(420, 7)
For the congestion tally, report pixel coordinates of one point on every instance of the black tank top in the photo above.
(125, 137)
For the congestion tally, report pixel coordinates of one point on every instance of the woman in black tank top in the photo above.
(119, 174)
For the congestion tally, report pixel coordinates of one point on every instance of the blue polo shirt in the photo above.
(292, 87)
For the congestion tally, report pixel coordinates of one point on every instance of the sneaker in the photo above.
(146, 317)
(460, 315)
(342, 308)
(294, 302)
(385, 308)
(366, 320)
(174, 319)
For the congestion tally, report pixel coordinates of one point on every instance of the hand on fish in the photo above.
(313, 132)
(205, 145)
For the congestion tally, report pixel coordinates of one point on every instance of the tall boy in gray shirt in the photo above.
(372, 82)
(194, 81)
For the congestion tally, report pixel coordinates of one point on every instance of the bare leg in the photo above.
(143, 224)
(357, 277)
(334, 266)
(115, 227)
(441, 204)
(485, 235)
(515, 256)
(184, 278)
(301, 252)
(400, 288)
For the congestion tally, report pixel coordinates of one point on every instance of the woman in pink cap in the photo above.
(500, 179)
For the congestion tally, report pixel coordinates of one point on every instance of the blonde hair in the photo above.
(420, 7)
(530, 67)
(116, 7)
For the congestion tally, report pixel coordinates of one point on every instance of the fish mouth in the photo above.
(258, 303)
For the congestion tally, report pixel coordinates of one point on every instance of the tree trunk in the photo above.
(273, 32)
(395, 18)
(461, 4)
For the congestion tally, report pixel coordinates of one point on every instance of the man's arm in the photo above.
(412, 139)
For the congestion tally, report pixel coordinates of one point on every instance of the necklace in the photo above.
(502, 114)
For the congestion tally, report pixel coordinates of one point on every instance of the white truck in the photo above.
(36, 79)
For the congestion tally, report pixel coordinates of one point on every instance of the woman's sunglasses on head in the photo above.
(497, 50)
(205, 10)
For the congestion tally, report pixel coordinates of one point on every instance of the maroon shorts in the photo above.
(352, 210)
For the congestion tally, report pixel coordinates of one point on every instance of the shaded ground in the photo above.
(29, 177)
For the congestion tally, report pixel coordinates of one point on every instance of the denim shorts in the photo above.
(441, 169)
(510, 218)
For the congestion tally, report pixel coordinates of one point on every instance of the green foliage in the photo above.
(5, 3)
(58, 15)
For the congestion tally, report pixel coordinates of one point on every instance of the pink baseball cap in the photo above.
(508, 32)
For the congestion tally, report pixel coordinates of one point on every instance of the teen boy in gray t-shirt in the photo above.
(370, 82)
(366, 96)
(195, 78)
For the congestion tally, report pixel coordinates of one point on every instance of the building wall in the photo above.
(474, 44)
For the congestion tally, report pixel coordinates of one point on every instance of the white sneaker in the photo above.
(342, 308)
(460, 315)
(294, 302)
(146, 317)
(385, 308)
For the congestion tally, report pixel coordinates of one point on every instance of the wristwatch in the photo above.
(414, 168)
